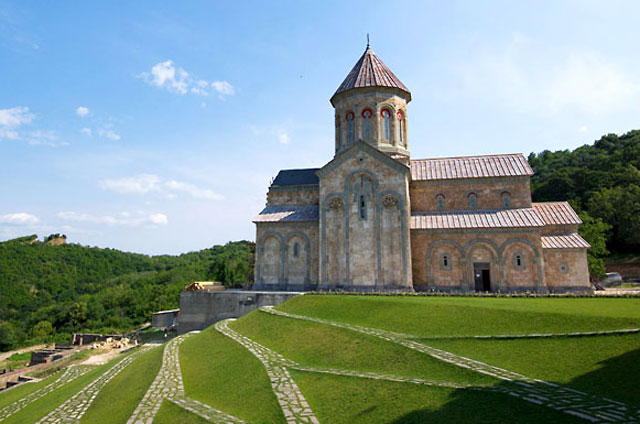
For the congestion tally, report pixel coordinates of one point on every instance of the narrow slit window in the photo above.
(296, 250)
(473, 201)
(506, 200)
(440, 201)
(401, 127)
(350, 133)
(363, 207)
(386, 120)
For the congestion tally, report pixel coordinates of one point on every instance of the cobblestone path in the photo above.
(536, 335)
(72, 410)
(570, 401)
(70, 374)
(168, 385)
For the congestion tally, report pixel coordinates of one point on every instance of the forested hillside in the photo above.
(49, 291)
(602, 181)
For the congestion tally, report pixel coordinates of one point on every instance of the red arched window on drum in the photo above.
(367, 129)
(350, 129)
(386, 123)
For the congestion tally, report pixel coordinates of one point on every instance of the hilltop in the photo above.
(49, 289)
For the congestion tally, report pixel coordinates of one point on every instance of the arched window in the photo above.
(338, 133)
(445, 261)
(440, 201)
(296, 250)
(363, 207)
(350, 129)
(386, 123)
(367, 130)
(473, 200)
(506, 199)
(401, 135)
(518, 261)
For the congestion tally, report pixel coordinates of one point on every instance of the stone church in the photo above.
(374, 219)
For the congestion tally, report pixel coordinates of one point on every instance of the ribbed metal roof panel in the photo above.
(564, 241)
(504, 218)
(293, 177)
(557, 213)
(489, 166)
(288, 214)
(370, 71)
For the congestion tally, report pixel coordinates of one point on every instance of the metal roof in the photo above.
(504, 218)
(489, 166)
(557, 213)
(288, 214)
(293, 177)
(370, 71)
(564, 241)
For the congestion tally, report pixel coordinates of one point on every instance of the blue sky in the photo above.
(155, 127)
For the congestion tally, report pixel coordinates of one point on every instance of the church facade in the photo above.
(374, 219)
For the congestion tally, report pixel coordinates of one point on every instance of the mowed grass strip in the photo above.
(38, 409)
(119, 398)
(608, 366)
(221, 373)
(350, 400)
(170, 413)
(469, 316)
(325, 346)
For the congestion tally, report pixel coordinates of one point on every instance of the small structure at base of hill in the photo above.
(165, 320)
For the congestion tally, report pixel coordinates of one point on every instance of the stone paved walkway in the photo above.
(72, 410)
(570, 401)
(70, 374)
(168, 385)
(292, 401)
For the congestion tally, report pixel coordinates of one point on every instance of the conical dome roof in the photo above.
(370, 71)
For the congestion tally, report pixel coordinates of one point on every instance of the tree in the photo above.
(8, 337)
(595, 231)
(42, 330)
(619, 207)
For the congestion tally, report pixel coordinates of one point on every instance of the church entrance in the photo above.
(482, 275)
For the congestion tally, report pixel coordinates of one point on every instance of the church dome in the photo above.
(370, 71)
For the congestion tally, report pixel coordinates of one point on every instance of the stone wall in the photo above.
(198, 310)
(292, 195)
(566, 270)
(488, 191)
(463, 248)
(364, 222)
(286, 256)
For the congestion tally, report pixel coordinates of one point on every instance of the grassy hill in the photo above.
(423, 363)
(48, 291)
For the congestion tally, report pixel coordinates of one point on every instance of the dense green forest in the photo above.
(49, 291)
(602, 182)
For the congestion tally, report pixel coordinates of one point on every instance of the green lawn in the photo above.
(118, 399)
(221, 373)
(604, 365)
(23, 390)
(351, 400)
(325, 346)
(171, 413)
(441, 316)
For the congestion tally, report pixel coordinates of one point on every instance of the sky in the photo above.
(157, 126)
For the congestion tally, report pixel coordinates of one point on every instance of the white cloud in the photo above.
(146, 183)
(283, 137)
(20, 218)
(82, 111)
(86, 131)
(583, 128)
(192, 190)
(111, 135)
(43, 138)
(280, 132)
(177, 80)
(140, 184)
(15, 117)
(223, 87)
(125, 218)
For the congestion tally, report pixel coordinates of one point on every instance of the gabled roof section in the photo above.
(359, 146)
(503, 218)
(564, 241)
(464, 167)
(370, 71)
(557, 213)
(288, 214)
(295, 177)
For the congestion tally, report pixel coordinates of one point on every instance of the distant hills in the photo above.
(49, 289)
